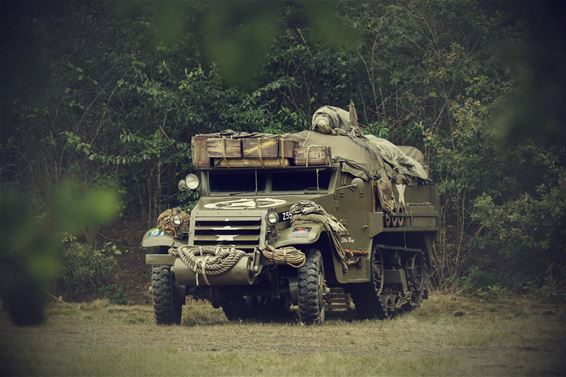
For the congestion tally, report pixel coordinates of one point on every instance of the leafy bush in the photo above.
(522, 239)
(89, 273)
(493, 292)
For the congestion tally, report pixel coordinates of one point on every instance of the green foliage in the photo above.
(92, 207)
(526, 234)
(493, 292)
(30, 257)
(113, 92)
(89, 273)
(481, 283)
(27, 259)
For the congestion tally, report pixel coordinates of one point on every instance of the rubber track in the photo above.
(368, 302)
(309, 307)
(166, 311)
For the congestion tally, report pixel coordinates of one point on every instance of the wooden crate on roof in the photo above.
(251, 163)
(269, 151)
(267, 147)
(286, 148)
(199, 151)
(260, 147)
(313, 155)
(223, 147)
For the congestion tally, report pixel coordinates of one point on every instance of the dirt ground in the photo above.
(132, 274)
(448, 335)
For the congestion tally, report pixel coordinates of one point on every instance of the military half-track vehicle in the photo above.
(297, 219)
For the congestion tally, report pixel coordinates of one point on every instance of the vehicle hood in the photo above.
(242, 205)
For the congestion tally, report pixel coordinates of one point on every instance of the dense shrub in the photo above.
(89, 272)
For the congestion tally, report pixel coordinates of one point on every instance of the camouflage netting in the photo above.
(166, 224)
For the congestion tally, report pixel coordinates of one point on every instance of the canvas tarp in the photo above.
(365, 155)
(362, 160)
(399, 160)
(414, 153)
(334, 121)
(331, 120)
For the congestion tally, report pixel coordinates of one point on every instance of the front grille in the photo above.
(242, 233)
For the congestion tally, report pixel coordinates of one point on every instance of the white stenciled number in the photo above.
(287, 216)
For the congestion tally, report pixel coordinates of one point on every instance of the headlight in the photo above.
(177, 220)
(192, 181)
(182, 185)
(272, 218)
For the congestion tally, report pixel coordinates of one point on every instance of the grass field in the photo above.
(448, 335)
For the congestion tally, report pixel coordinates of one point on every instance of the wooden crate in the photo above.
(286, 148)
(199, 151)
(270, 147)
(260, 147)
(251, 163)
(314, 155)
(224, 148)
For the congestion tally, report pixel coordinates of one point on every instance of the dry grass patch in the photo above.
(449, 335)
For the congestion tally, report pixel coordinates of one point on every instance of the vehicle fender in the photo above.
(300, 234)
(156, 237)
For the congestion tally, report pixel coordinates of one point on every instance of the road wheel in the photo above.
(166, 306)
(312, 288)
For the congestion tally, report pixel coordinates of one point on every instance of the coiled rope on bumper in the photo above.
(288, 255)
(217, 260)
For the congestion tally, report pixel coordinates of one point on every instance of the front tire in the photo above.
(166, 306)
(312, 286)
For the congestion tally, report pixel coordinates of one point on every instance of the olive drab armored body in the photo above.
(312, 220)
